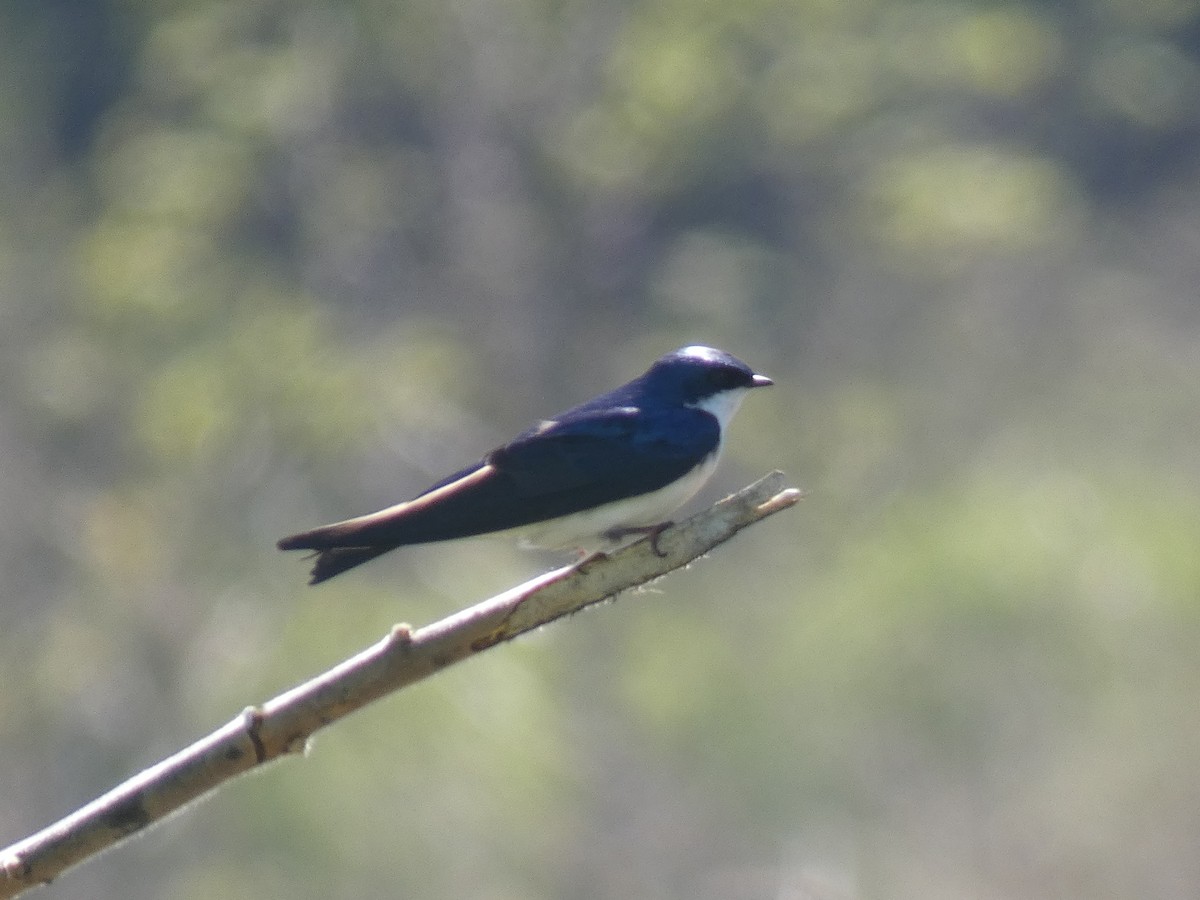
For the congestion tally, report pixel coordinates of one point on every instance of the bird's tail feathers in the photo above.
(338, 559)
(337, 547)
(323, 538)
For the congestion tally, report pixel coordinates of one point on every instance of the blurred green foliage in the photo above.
(265, 264)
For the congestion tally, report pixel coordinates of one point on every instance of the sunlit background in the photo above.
(264, 265)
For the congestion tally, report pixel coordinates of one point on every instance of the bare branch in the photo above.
(284, 725)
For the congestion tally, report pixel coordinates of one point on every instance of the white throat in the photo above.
(722, 405)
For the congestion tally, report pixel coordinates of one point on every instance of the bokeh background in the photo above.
(268, 264)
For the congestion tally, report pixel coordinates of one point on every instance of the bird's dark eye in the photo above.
(725, 379)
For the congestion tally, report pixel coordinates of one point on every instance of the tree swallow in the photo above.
(590, 477)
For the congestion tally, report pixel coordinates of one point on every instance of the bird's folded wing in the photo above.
(553, 470)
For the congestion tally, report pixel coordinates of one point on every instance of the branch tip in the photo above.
(785, 498)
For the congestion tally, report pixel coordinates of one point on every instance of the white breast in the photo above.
(586, 530)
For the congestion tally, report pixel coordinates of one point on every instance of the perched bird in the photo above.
(615, 466)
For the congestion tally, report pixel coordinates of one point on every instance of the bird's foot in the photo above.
(650, 531)
(587, 560)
